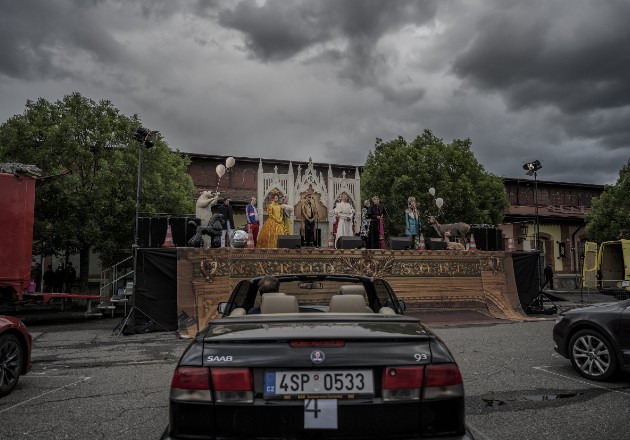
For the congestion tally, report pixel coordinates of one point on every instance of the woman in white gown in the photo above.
(344, 213)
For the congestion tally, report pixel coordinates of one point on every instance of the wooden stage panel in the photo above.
(426, 280)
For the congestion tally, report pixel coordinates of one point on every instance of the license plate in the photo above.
(309, 384)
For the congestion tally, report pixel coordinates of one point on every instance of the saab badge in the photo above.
(317, 356)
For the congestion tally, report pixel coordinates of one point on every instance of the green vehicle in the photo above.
(606, 266)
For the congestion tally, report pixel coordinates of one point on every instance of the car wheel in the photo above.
(592, 355)
(11, 360)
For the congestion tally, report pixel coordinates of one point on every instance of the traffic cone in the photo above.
(250, 239)
(168, 241)
(473, 245)
(331, 241)
(511, 247)
(421, 245)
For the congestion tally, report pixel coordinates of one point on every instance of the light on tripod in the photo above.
(145, 136)
(532, 167)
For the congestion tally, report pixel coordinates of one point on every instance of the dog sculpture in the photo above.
(456, 229)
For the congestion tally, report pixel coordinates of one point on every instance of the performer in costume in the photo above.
(344, 213)
(412, 222)
(309, 214)
(377, 227)
(365, 223)
(274, 225)
(251, 213)
(287, 215)
(334, 219)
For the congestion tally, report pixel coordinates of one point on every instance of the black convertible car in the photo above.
(596, 339)
(325, 357)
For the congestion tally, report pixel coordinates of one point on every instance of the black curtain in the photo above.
(525, 264)
(155, 297)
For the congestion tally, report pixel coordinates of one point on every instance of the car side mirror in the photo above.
(402, 305)
(222, 307)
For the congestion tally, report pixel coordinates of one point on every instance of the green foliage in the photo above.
(609, 216)
(398, 169)
(89, 162)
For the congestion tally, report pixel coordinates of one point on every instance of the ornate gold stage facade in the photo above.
(427, 280)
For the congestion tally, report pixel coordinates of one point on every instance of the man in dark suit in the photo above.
(228, 219)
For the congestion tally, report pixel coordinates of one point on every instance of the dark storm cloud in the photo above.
(279, 30)
(570, 56)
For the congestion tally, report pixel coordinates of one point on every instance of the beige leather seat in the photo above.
(386, 311)
(239, 311)
(348, 304)
(352, 289)
(279, 304)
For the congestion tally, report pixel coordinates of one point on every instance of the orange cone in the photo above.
(331, 241)
(511, 247)
(421, 245)
(473, 245)
(168, 241)
(250, 239)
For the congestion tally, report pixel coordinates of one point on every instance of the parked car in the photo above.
(596, 339)
(328, 356)
(15, 352)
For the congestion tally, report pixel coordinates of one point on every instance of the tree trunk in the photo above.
(84, 267)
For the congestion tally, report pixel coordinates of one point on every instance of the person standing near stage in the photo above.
(71, 275)
(548, 277)
(274, 225)
(364, 231)
(49, 279)
(376, 215)
(344, 213)
(60, 276)
(412, 222)
(309, 214)
(252, 219)
(228, 219)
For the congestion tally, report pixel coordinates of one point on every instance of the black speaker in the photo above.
(290, 241)
(488, 238)
(435, 245)
(399, 243)
(349, 242)
(152, 231)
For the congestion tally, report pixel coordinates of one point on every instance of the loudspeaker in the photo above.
(435, 245)
(290, 241)
(152, 231)
(488, 239)
(399, 243)
(349, 242)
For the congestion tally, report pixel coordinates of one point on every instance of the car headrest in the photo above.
(274, 294)
(279, 304)
(238, 312)
(348, 304)
(352, 289)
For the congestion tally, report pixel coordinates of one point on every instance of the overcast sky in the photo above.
(283, 79)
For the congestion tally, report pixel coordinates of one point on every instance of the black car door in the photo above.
(624, 332)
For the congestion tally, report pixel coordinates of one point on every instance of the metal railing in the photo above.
(112, 276)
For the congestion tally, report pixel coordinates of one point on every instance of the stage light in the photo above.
(145, 136)
(532, 167)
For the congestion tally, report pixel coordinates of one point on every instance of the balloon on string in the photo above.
(439, 202)
(229, 162)
(220, 170)
(432, 191)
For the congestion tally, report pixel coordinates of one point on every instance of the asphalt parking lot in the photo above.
(88, 383)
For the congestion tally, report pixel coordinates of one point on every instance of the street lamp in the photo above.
(532, 168)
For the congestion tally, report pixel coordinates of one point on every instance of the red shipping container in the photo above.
(17, 213)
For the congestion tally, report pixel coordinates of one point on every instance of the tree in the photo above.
(87, 196)
(609, 216)
(398, 169)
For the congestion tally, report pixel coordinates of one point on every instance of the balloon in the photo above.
(229, 162)
(220, 170)
(432, 191)
(439, 202)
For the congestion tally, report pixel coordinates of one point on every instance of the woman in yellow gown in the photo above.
(273, 226)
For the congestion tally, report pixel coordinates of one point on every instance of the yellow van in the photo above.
(606, 267)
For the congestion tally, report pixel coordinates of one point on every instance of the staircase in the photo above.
(116, 288)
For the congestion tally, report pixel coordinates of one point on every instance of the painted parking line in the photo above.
(590, 384)
(83, 379)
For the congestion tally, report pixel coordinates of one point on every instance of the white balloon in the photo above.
(439, 202)
(220, 170)
(432, 191)
(229, 162)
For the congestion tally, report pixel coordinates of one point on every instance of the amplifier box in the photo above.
(399, 243)
(349, 242)
(290, 241)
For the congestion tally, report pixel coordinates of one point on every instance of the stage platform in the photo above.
(478, 283)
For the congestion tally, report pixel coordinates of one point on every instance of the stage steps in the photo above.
(116, 289)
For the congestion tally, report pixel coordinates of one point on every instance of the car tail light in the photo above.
(232, 385)
(443, 381)
(402, 383)
(191, 384)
